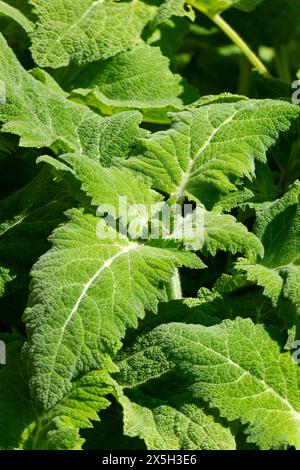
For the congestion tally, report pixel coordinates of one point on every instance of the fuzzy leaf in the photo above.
(24, 426)
(44, 118)
(83, 31)
(105, 186)
(171, 8)
(136, 79)
(207, 150)
(27, 217)
(278, 227)
(236, 367)
(211, 231)
(173, 421)
(90, 287)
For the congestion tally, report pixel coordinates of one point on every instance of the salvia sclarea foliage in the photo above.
(166, 342)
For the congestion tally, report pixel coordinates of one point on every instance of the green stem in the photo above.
(174, 287)
(282, 64)
(37, 435)
(244, 77)
(235, 37)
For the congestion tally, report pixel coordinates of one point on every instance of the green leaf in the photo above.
(33, 111)
(91, 287)
(136, 79)
(238, 368)
(27, 217)
(212, 231)
(16, 15)
(173, 421)
(234, 296)
(267, 278)
(198, 230)
(44, 118)
(223, 232)
(278, 227)
(150, 236)
(105, 186)
(83, 31)
(165, 418)
(263, 187)
(25, 426)
(112, 138)
(281, 218)
(171, 8)
(208, 150)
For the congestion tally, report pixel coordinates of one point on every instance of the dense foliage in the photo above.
(110, 338)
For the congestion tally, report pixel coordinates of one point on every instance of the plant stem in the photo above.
(244, 77)
(282, 64)
(236, 39)
(174, 287)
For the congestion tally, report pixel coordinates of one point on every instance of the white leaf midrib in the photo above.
(265, 385)
(76, 23)
(86, 287)
(193, 161)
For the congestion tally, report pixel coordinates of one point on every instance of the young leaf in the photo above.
(278, 227)
(83, 31)
(198, 230)
(105, 186)
(210, 231)
(213, 7)
(16, 15)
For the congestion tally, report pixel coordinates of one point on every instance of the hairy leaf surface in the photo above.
(25, 426)
(237, 367)
(208, 150)
(278, 228)
(91, 288)
(83, 31)
(139, 79)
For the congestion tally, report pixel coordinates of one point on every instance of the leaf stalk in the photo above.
(174, 290)
(235, 38)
